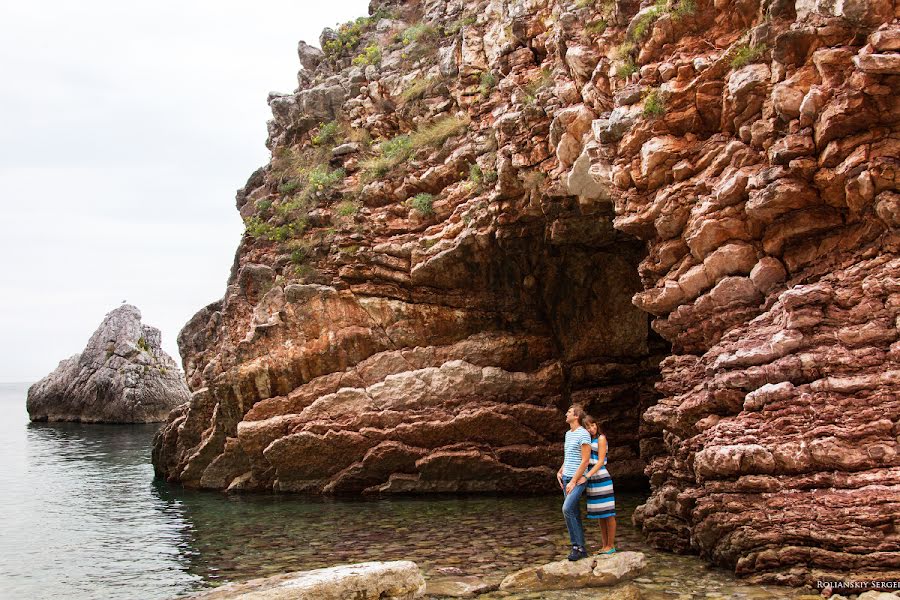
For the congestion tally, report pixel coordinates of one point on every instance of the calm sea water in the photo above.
(82, 517)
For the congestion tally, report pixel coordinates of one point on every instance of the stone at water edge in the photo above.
(122, 376)
(596, 571)
(461, 586)
(397, 580)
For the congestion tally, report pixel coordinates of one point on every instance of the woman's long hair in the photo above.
(587, 419)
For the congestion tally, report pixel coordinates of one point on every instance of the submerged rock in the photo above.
(597, 571)
(122, 376)
(398, 580)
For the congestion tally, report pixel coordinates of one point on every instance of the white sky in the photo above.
(125, 130)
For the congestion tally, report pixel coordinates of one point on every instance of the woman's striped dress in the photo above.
(600, 500)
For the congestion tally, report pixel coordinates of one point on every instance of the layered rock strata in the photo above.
(767, 194)
(122, 376)
(473, 207)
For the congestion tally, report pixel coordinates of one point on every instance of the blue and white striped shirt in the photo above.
(574, 441)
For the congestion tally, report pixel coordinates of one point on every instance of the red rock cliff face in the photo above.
(473, 207)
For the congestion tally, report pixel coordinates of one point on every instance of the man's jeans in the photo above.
(572, 512)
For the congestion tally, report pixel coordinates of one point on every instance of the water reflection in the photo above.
(80, 520)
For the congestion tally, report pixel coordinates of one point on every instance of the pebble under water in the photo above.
(84, 518)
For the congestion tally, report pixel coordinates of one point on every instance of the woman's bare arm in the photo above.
(601, 456)
(585, 459)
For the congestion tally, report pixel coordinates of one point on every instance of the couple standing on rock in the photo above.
(584, 467)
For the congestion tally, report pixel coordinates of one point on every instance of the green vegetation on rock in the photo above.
(454, 27)
(487, 82)
(626, 68)
(417, 32)
(423, 203)
(371, 55)
(681, 9)
(596, 27)
(746, 54)
(328, 133)
(419, 87)
(655, 103)
(437, 132)
(400, 148)
(534, 87)
(346, 208)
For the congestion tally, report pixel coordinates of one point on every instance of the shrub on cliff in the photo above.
(321, 178)
(684, 8)
(680, 10)
(746, 54)
(390, 153)
(645, 22)
(328, 134)
(424, 203)
(255, 227)
(419, 88)
(596, 27)
(479, 178)
(371, 55)
(350, 34)
(400, 148)
(454, 27)
(346, 208)
(487, 82)
(417, 32)
(626, 68)
(655, 103)
(437, 132)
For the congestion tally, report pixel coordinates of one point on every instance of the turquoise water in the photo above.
(83, 518)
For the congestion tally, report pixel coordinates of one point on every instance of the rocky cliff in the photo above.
(121, 376)
(474, 210)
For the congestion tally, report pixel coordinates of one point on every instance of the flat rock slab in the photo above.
(398, 580)
(596, 571)
(460, 586)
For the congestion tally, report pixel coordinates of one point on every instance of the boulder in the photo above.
(122, 376)
(398, 580)
(597, 571)
(310, 56)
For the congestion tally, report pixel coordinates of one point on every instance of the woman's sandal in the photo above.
(610, 551)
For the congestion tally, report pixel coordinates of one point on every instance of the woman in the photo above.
(577, 456)
(601, 503)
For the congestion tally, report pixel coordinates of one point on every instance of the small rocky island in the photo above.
(122, 376)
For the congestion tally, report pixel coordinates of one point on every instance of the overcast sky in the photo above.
(125, 129)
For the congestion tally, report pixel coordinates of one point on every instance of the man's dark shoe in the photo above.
(577, 553)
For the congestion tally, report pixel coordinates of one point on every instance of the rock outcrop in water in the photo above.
(122, 376)
(473, 207)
